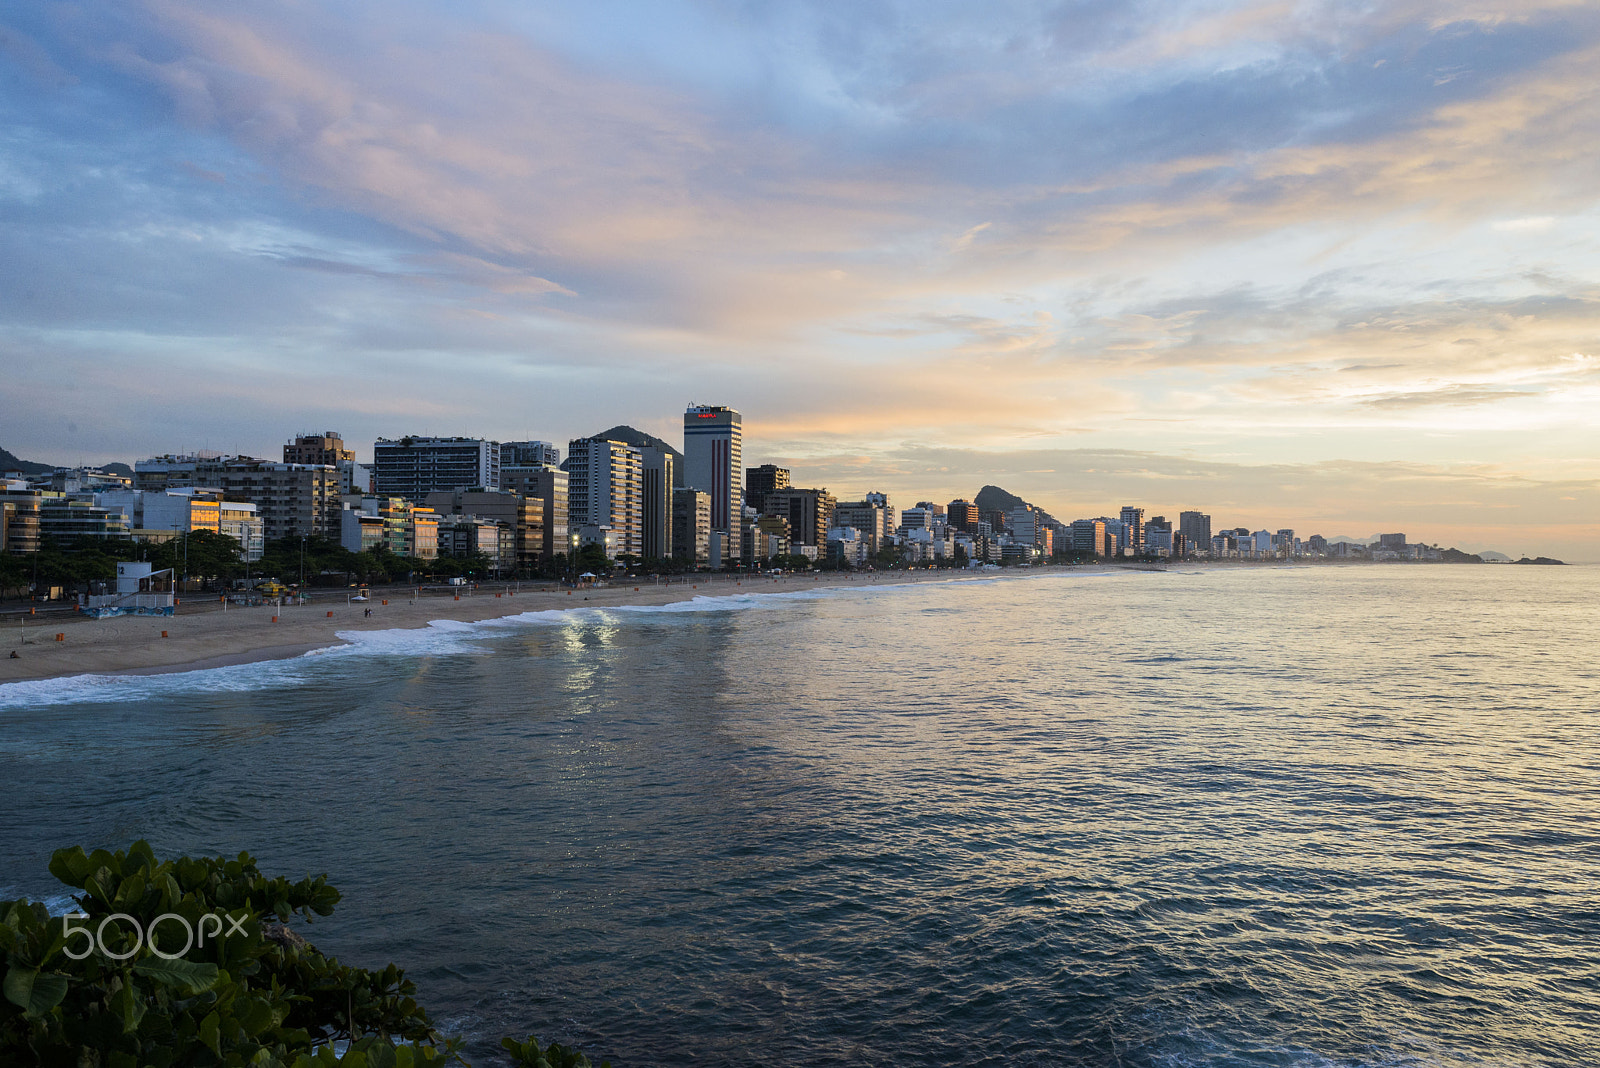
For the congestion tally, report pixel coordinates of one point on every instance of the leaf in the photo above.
(129, 1007)
(189, 976)
(35, 993)
(211, 1033)
(70, 865)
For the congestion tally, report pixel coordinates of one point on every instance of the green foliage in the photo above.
(247, 991)
(200, 554)
(324, 557)
(529, 1055)
(16, 571)
(593, 558)
(71, 564)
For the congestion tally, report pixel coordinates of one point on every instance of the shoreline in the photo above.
(203, 635)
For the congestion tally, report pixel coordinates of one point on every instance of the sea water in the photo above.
(1330, 816)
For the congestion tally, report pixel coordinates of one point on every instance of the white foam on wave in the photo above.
(440, 637)
(55, 902)
(89, 689)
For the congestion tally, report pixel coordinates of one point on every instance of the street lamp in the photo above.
(573, 556)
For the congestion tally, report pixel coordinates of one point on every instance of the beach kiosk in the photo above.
(141, 591)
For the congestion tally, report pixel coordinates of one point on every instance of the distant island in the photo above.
(1542, 560)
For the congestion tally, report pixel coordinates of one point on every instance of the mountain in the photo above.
(9, 462)
(639, 439)
(1490, 556)
(1456, 556)
(995, 499)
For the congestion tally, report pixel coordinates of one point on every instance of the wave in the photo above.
(439, 637)
(82, 689)
(55, 902)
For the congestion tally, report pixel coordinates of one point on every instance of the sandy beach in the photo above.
(202, 634)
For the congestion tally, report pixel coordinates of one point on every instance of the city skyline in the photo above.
(1318, 268)
(464, 461)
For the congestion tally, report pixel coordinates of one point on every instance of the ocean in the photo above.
(1296, 816)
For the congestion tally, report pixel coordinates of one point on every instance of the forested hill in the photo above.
(995, 499)
(8, 462)
(11, 462)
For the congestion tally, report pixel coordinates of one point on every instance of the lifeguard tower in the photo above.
(141, 591)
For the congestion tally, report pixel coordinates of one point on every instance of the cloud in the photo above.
(1534, 224)
(964, 242)
(1248, 230)
(1480, 505)
(1452, 395)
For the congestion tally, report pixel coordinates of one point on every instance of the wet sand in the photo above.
(205, 635)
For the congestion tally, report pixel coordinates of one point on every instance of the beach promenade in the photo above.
(204, 635)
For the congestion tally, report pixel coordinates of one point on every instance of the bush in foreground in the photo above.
(191, 962)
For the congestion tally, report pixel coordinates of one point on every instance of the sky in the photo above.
(1329, 266)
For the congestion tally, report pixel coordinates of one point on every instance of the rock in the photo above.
(280, 934)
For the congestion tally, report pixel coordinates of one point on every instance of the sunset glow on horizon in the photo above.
(1294, 265)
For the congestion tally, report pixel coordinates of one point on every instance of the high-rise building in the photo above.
(292, 500)
(656, 474)
(1196, 530)
(963, 515)
(549, 486)
(713, 461)
(810, 513)
(1026, 526)
(324, 448)
(1089, 536)
(187, 509)
(1159, 538)
(465, 536)
(1117, 531)
(1133, 521)
(868, 519)
(403, 528)
(521, 514)
(891, 518)
(67, 519)
(203, 469)
(605, 490)
(242, 523)
(691, 526)
(1396, 542)
(760, 481)
(529, 454)
(413, 467)
(769, 539)
(21, 518)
